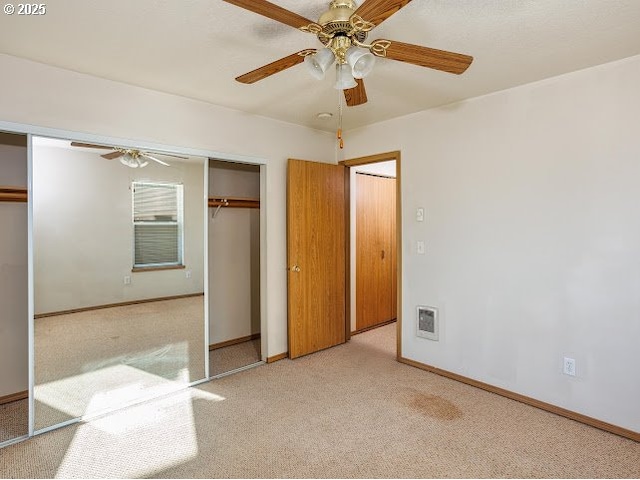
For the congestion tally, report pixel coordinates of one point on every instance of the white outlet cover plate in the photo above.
(569, 366)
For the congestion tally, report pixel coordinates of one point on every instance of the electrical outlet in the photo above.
(420, 248)
(569, 367)
(420, 215)
(188, 273)
(127, 280)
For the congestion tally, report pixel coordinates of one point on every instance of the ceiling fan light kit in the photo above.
(132, 161)
(348, 56)
(344, 77)
(360, 61)
(319, 62)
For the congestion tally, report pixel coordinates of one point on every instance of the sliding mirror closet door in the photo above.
(234, 266)
(14, 299)
(118, 277)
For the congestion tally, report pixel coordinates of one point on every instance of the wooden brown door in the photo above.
(316, 256)
(375, 250)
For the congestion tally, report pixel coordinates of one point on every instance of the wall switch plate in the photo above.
(420, 215)
(127, 280)
(569, 366)
(420, 247)
(188, 273)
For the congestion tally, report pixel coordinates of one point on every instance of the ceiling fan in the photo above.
(130, 157)
(343, 30)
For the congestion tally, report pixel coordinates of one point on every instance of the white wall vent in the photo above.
(428, 325)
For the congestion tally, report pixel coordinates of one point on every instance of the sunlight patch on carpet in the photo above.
(94, 392)
(137, 441)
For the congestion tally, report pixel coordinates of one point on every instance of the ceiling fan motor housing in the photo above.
(335, 21)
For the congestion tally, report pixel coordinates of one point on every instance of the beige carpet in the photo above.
(223, 360)
(350, 411)
(88, 362)
(14, 420)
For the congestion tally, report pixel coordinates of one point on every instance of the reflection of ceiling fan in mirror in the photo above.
(343, 31)
(128, 156)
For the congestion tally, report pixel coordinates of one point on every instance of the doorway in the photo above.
(374, 234)
(373, 246)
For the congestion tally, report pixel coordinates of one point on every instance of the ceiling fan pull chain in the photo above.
(340, 140)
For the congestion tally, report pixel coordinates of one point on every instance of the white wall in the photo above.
(83, 234)
(387, 169)
(234, 257)
(14, 313)
(32, 93)
(532, 233)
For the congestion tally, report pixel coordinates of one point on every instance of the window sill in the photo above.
(155, 269)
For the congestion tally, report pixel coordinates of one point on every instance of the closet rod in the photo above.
(232, 202)
(13, 194)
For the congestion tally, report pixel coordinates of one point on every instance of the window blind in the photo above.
(157, 224)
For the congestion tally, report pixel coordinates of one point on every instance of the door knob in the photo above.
(295, 268)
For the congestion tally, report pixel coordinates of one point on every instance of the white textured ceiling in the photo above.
(196, 48)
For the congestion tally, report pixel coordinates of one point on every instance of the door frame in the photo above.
(354, 162)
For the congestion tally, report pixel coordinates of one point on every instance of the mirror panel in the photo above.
(118, 277)
(14, 298)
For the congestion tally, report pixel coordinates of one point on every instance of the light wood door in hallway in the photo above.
(376, 267)
(316, 243)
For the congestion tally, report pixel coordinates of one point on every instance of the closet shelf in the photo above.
(234, 202)
(13, 194)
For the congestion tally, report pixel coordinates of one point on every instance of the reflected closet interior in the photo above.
(14, 315)
(234, 266)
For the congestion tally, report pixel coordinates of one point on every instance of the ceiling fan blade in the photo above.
(357, 95)
(423, 56)
(155, 159)
(274, 12)
(89, 145)
(274, 67)
(377, 11)
(112, 155)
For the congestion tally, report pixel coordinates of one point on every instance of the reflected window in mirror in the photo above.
(158, 224)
